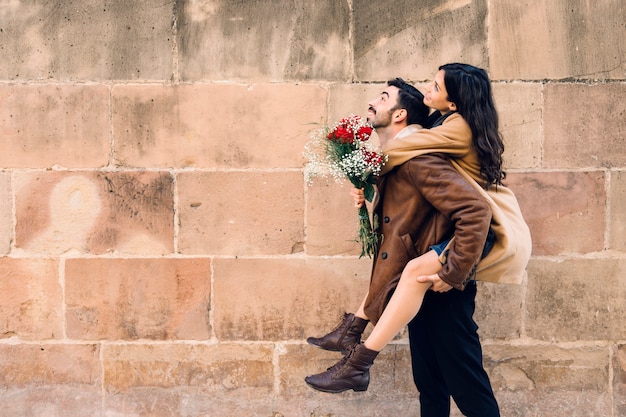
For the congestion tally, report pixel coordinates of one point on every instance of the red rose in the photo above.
(341, 134)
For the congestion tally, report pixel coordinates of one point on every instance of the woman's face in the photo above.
(436, 95)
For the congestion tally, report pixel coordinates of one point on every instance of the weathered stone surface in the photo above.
(547, 368)
(184, 379)
(88, 40)
(126, 212)
(520, 108)
(47, 125)
(226, 40)
(549, 380)
(241, 213)
(499, 310)
(122, 299)
(347, 99)
(558, 205)
(576, 299)
(31, 302)
(413, 40)
(6, 213)
(282, 299)
(557, 39)
(595, 136)
(215, 125)
(617, 214)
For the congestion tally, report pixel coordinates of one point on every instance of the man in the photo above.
(422, 202)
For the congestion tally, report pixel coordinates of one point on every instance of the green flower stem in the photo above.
(367, 234)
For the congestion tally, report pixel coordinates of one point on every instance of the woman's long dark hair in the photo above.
(469, 88)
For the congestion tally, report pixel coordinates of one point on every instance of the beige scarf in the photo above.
(507, 261)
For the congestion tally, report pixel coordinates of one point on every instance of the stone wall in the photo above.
(161, 254)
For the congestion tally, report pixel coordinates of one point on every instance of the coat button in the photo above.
(383, 255)
(386, 219)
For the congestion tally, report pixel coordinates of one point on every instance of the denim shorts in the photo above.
(491, 239)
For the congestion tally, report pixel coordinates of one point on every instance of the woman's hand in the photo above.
(358, 196)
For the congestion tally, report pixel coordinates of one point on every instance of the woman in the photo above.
(467, 130)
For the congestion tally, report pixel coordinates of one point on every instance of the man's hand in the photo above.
(439, 285)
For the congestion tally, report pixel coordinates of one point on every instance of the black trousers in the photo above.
(447, 356)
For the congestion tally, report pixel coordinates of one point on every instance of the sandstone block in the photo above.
(558, 39)
(282, 299)
(332, 222)
(26, 364)
(241, 213)
(520, 109)
(31, 305)
(594, 137)
(119, 40)
(414, 40)
(215, 125)
(47, 125)
(576, 299)
(52, 401)
(187, 379)
(125, 212)
(129, 299)
(264, 40)
(558, 205)
(6, 214)
(617, 214)
(50, 380)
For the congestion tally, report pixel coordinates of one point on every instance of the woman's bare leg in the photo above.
(360, 312)
(405, 302)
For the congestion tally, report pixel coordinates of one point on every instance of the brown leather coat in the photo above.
(421, 203)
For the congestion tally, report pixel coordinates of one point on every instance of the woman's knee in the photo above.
(426, 264)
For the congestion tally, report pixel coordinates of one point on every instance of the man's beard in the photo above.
(383, 121)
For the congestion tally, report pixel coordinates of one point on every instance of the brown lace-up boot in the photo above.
(344, 336)
(351, 372)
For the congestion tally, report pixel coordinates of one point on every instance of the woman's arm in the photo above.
(453, 137)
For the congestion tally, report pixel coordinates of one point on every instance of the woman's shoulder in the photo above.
(455, 119)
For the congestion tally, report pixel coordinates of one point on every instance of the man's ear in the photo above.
(452, 106)
(400, 115)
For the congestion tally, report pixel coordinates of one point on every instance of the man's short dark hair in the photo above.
(410, 99)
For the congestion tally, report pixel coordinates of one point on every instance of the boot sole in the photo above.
(323, 348)
(336, 391)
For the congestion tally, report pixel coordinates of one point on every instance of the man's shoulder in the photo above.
(428, 162)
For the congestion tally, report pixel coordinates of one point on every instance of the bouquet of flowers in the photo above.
(345, 151)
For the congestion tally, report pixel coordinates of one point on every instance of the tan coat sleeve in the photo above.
(453, 137)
